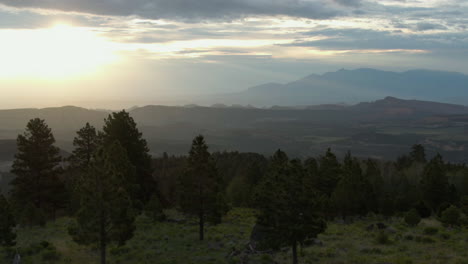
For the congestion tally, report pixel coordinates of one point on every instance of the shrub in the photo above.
(154, 209)
(431, 230)
(424, 239)
(382, 238)
(422, 209)
(444, 206)
(408, 237)
(412, 218)
(445, 236)
(451, 216)
(50, 255)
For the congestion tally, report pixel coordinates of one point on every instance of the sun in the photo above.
(58, 52)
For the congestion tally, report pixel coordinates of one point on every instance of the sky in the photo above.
(120, 53)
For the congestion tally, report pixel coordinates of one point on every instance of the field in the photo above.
(175, 241)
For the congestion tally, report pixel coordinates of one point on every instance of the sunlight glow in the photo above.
(56, 53)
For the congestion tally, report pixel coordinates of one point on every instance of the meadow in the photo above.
(175, 240)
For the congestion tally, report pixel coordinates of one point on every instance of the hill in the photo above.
(383, 128)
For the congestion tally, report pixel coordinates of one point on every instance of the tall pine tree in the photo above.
(200, 187)
(434, 183)
(85, 144)
(329, 173)
(121, 127)
(106, 212)
(354, 193)
(37, 188)
(290, 207)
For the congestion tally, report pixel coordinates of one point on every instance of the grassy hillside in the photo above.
(175, 241)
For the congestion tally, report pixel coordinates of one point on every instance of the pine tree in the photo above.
(329, 173)
(354, 192)
(106, 212)
(418, 154)
(85, 143)
(434, 183)
(7, 224)
(374, 175)
(37, 185)
(200, 186)
(121, 127)
(290, 208)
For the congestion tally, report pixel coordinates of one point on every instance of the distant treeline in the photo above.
(110, 178)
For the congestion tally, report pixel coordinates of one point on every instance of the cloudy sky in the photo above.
(114, 53)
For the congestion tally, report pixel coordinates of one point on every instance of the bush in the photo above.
(424, 239)
(423, 210)
(431, 230)
(445, 236)
(50, 255)
(451, 216)
(382, 238)
(444, 206)
(408, 237)
(154, 210)
(412, 218)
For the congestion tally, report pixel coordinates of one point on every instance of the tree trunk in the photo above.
(294, 252)
(103, 239)
(202, 224)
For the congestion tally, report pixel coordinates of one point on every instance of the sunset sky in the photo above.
(115, 53)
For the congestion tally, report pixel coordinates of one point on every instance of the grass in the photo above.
(177, 242)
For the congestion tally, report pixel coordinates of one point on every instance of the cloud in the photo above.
(429, 26)
(353, 3)
(358, 39)
(191, 10)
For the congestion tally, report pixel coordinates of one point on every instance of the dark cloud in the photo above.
(353, 3)
(358, 39)
(429, 26)
(191, 10)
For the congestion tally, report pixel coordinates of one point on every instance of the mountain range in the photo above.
(354, 86)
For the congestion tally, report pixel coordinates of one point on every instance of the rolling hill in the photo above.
(383, 128)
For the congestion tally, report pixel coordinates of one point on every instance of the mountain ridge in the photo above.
(363, 84)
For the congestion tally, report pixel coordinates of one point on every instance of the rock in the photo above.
(318, 242)
(391, 230)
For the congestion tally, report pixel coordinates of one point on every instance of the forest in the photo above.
(110, 201)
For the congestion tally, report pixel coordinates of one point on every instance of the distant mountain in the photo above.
(353, 86)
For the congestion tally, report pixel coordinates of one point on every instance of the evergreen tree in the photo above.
(85, 143)
(418, 154)
(354, 193)
(154, 209)
(290, 208)
(329, 173)
(37, 186)
(7, 224)
(434, 183)
(121, 127)
(374, 175)
(200, 186)
(106, 213)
